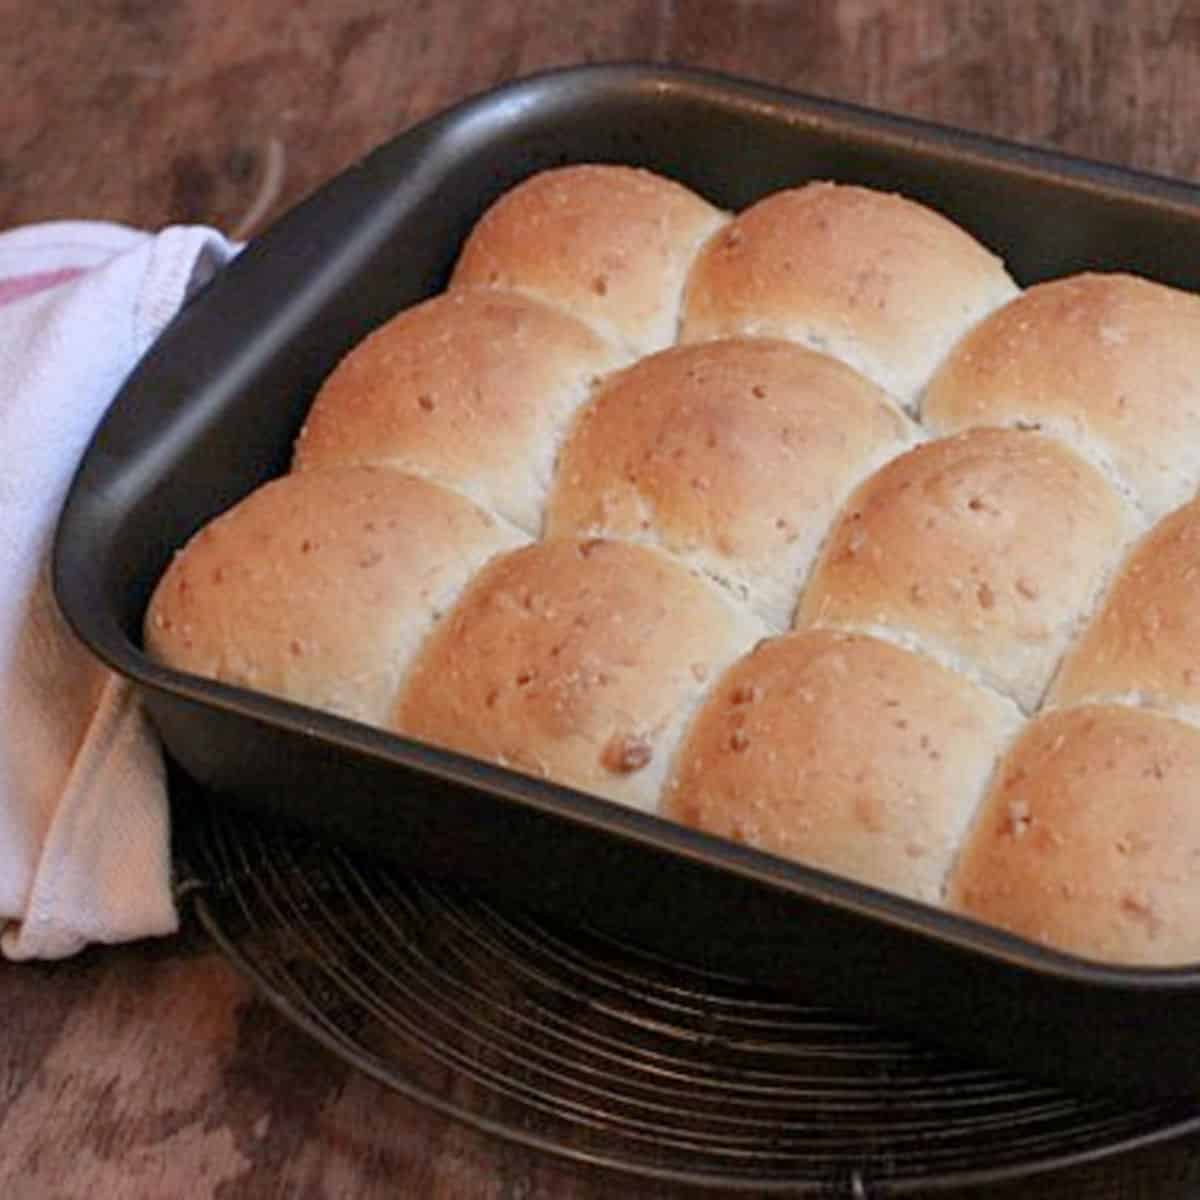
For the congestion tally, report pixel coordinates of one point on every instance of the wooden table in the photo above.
(153, 1070)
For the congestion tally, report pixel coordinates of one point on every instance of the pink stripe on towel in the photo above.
(20, 286)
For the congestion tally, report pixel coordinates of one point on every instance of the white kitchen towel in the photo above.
(84, 853)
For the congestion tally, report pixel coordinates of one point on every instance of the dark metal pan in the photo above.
(211, 412)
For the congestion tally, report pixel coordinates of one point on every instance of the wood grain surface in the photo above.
(154, 1070)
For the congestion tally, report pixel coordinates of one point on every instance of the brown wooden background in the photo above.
(152, 1070)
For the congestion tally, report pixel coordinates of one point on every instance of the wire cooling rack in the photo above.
(564, 1040)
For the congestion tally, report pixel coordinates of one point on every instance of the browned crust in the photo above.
(987, 548)
(843, 752)
(576, 660)
(1090, 840)
(733, 455)
(319, 586)
(1111, 363)
(472, 388)
(875, 279)
(610, 244)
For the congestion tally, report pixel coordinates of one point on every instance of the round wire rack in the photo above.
(566, 1041)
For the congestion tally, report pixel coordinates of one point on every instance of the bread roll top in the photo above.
(881, 282)
(575, 660)
(986, 549)
(1090, 838)
(319, 586)
(610, 244)
(732, 455)
(472, 388)
(844, 752)
(1110, 363)
(1143, 644)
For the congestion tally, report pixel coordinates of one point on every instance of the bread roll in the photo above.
(472, 388)
(881, 282)
(732, 455)
(609, 244)
(1090, 839)
(843, 752)
(986, 549)
(320, 586)
(1110, 363)
(1143, 644)
(578, 661)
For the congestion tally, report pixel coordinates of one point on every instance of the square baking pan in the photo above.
(212, 410)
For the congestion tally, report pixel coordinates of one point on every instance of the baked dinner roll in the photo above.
(881, 282)
(986, 549)
(610, 244)
(843, 752)
(1143, 645)
(320, 586)
(1090, 839)
(472, 388)
(1110, 363)
(732, 455)
(575, 660)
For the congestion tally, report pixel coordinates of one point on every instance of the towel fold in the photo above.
(84, 853)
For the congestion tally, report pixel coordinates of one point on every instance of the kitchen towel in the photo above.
(84, 853)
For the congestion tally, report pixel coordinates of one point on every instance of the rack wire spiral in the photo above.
(566, 1041)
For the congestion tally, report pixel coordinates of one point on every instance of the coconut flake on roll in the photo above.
(987, 549)
(732, 455)
(609, 244)
(319, 586)
(472, 388)
(1143, 644)
(842, 752)
(881, 282)
(1109, 363)
(578, 661)
(1090, 839)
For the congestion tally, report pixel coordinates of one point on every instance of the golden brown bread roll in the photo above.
(732, 455)
(576, 660)
(844, 752)
(878, 281)
(320, 586)
(1110, 363)
(986, 549)
(472, 388)
(610, 244)
(1090, 839)
(1143, 644)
